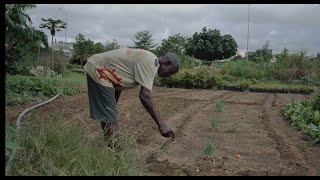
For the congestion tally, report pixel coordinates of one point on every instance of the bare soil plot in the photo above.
(250, 136)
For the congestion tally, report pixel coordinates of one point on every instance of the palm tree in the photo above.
(53, 26)
(16, 20)
(18, 23)
(18, 29)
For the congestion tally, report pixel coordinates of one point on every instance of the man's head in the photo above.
(169, 65)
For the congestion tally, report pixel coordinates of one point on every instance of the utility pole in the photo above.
(65, 32)
(38, 57)
(248, 34)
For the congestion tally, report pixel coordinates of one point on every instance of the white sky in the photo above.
(295, 27)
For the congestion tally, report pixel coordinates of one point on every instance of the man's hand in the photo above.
(166, 131)
(145, 97)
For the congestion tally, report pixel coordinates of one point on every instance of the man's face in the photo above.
(167, 70)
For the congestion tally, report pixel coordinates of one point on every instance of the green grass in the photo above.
(74, 79)
(209, 150)
(11, 136)
(52, 147)
(22, 89)
(220, 104)
(214, 123)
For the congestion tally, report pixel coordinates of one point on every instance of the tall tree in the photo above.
(17, 21)
(18, 30)
(98, 48)
(143, 40)
(229, 46)
(53, 26)
(211, 45)
(84, 48)
(80, 48)
(111, 45)
(90, 48)
(175, 43)
(263, 54)
(283, 56)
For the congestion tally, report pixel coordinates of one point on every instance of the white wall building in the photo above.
(67, 48)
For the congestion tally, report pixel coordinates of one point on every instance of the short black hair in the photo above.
(173, 58)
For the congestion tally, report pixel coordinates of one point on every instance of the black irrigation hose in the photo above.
(18, 123)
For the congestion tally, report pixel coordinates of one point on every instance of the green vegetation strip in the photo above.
(22, 89)
(306, 116)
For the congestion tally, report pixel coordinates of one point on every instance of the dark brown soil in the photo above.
(251, 137)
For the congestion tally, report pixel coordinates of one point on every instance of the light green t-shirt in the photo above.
(123, 68)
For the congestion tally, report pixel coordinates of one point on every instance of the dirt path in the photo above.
(250, 135)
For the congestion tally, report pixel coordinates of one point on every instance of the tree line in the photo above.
(22, 38)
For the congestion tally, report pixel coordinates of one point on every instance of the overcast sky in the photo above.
(295, 26)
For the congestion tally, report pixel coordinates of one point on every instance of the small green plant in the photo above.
(220, 104)
(209, 149)
(214, 123)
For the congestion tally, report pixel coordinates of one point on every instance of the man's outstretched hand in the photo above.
(166, 131)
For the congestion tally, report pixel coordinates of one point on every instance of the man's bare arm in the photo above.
(146, 100)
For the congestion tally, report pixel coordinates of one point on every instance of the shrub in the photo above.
(17, 69)
(75, 68)
(60, 69)
(303, 116)
(21, 89)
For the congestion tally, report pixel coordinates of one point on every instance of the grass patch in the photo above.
(56, 148)
(22, 89)
(209, 150)
(220, 104)
(11, 136)
(74, 80)
(214, 123)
